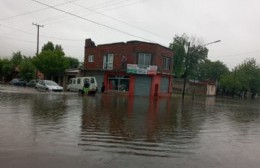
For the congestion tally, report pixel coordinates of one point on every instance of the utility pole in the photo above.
(187, 60)
(38, 27)
(187, 69)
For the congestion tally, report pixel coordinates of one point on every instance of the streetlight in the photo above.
(217, 41)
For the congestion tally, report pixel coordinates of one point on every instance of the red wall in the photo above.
(130, 50)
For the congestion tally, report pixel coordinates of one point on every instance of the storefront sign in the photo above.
(144, 70)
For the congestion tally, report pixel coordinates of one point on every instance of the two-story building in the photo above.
(131, 68)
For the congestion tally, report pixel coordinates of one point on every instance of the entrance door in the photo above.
(142, 85)
(164, 87)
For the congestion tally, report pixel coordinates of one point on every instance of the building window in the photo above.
(91, 58)
(108, 61)
(166, 63)
(118, 83)
(144, 59)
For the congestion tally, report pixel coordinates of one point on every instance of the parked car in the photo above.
(76, 84)
(32, 83)
(48, 85)
(17, 82)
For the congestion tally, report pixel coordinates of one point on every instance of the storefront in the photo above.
(138, 81)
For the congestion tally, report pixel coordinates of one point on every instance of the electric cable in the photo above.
(97, 23)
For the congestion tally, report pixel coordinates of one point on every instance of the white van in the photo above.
(76, 84)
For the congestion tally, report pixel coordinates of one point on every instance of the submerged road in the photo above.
(50, 130)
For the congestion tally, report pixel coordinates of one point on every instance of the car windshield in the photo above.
(51, 83)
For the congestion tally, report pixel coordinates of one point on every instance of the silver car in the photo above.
(48, 85)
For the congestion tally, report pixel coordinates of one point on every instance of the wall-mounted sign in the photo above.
(145, 70)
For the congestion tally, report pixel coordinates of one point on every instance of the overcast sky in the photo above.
(69, 22)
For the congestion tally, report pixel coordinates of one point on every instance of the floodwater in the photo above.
(50, 130)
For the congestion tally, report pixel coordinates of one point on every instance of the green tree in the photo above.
(73, 62)
(178, 46)
(186, 63)
(6, 69)
(1, 65)
(211, 70)
(51, 61)
(249, 75)
(48, 46)
(243, 78)
(230, 83)
(197, 55)
(17, 58)
(27, 69)
(59, 49)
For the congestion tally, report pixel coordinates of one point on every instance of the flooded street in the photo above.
(46, 130)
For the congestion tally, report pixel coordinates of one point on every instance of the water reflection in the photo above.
(111, 129)
(136, 125)
(48, 108)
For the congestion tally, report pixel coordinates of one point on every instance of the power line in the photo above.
(96, 9)
(97, 23)
(107, 3)
(90, 7)
(242, 53)
(117, 3)
(43, 36)
(93, 11)
(17, 29)
(37, 10)
(113, 18)
(25, 13)
(15, 39)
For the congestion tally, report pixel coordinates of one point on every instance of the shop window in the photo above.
(118, 83)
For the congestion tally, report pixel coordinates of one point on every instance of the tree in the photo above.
(189, 61)
(230, 83)
(210, 70)
(51, 61)
(27, 69)
(196, 56)
(6, 69)
(59, 49)
(48, 46)
(249, 74)
(73, 62)
(178, 46)
(16, 58)
(243, 78)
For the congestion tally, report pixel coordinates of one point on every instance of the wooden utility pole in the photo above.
(186, 71)
(38, 27)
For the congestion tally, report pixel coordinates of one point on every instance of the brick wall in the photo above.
(130, 50)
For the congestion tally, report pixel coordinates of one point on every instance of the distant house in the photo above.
(131, 68)
(208, 88)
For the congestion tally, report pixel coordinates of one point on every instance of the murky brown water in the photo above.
(66, 130)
